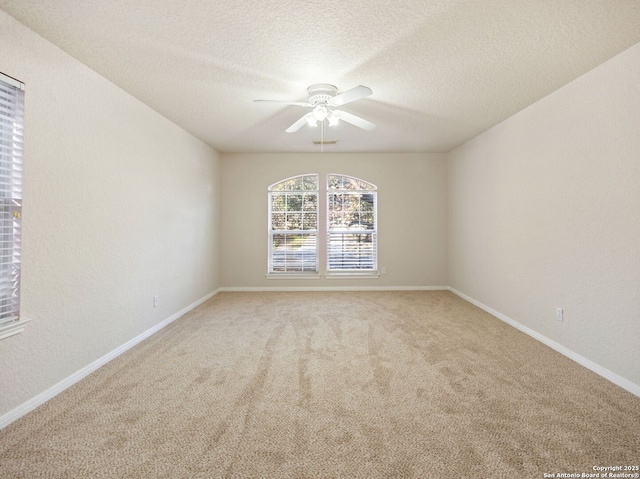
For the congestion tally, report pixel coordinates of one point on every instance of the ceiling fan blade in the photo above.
(298, 124)
(297, 103)
(355, 120)
(350, 95)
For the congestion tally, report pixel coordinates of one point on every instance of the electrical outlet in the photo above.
(559, 314)
(155, 301)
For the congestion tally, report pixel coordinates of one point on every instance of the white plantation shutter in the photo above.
(11, 145)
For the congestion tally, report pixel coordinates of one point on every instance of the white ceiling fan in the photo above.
(324, 99)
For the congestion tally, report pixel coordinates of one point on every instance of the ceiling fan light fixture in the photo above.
(320, 113)
(312, 121)
(333, 119)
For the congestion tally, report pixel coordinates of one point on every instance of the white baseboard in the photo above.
(587, 363)
(332, 288)
(56, 389)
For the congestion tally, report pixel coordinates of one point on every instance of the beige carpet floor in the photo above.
(330, 385)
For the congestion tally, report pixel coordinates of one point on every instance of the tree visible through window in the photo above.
(293, 225)
(351, 224)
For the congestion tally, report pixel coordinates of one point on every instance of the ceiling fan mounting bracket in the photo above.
(321, 93)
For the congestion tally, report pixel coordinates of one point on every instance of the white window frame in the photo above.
(345, 270)
(306, 269)
(11, 154)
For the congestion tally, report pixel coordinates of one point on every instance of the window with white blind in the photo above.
(351, 225)
(293, 226)
(11, 142)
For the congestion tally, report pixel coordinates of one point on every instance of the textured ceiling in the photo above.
(441, 71)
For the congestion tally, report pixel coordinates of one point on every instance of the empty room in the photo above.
(278, 239)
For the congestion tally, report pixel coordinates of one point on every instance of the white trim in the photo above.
(12, 81)
(14, 327)
(372, 275)
(587, 363)
(56, 389)
(292, 276)
(331, 288)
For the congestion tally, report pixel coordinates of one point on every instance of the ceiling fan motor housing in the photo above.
(321, 93)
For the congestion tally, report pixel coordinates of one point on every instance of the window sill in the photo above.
(293, 276)
(368, 275)
(12, 328)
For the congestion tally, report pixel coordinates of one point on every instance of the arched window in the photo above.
(351, 225)
(293, 225)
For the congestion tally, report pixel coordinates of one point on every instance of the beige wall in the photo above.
(541, 211)
(119, 205)
(544, 212)
(412, 215)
